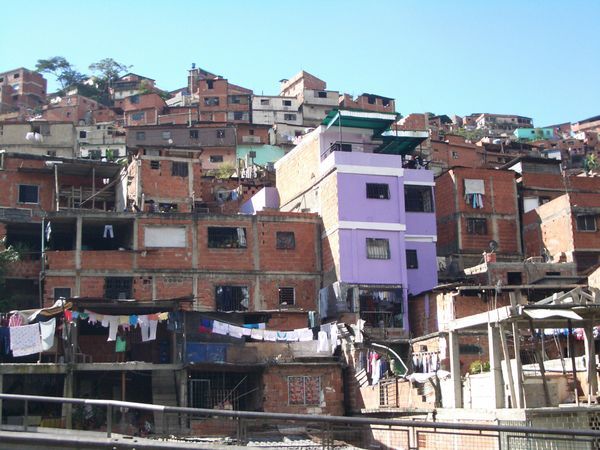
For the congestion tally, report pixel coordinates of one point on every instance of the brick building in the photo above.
(454, 151)
(237, 269)
(368, 102)
(474, 207)
(22, 91)
(39, 137)
(130, 84)
(77, 109)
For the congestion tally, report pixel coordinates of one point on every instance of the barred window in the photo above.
(304, 390)
(418, 199)
(378, 190)
(179, 169)
(378, 248)
(477, 226)
(286, 295)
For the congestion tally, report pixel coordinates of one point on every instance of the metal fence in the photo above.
(273, 430)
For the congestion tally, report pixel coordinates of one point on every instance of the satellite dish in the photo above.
(493, 245)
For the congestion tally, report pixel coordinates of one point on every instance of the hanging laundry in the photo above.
(144, 327)
(236, 331)
(323, 342)
(305, 334)
(108, 232)
(220, 328)
(113, 327)
(257, 334)
(16, 320)
(47, 333)
(133, 320)
(270, 335)
(121, 345)
(48, 231)
(5, 340)
(25, 340)
(206, 326)
(153, 326)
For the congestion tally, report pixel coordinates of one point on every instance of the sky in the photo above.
(535, 58)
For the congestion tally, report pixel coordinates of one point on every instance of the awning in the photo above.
(547, 313)
(378, 122)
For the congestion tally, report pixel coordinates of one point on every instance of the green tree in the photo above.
(108, 69)
(63, 71)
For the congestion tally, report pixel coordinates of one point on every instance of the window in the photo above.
(411, 259)
(289, 117)
(95, 154)
(16, 75)
(211, 101)
(385, 102)
(286, 295)
(193, 134)
(477, 226)
(287, 102)
(264, 101)
(166, 135)
(209, 84)
(321, 94)
(61, 292)
(238, 99)
(586, 222)
(220, 134)
(232, 298)
(514, 278)
(155, 165)
(135, 99)
(338, 147)
(138, 116)
(378, 248)
(216, 158)
(238, 115)
(371, 99)
(226, 237)
(251, 132)
(378, 190)
(304, 390)
(118, 287)
(160, 236)
(418, 199)
(286, 240)
(179, 169)
(28, 193)
(82, 134)
(454, 155)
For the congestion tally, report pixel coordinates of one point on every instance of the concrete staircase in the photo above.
(164, 392)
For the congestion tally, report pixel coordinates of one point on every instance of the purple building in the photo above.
(379, 234)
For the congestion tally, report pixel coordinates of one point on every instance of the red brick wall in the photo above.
(276, 389)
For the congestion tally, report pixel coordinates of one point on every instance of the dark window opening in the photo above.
(194, 134)
(134, 99)
(385, 102)
(118, 288)
(220, 134)
(264, 101)
(140, 135)
(28, 193)
(286, 240)
(586, 222)
(378, 248)
(82, 134)
(289, 117)
(418, 199)
(25, 239)
(155, 165)
(411, 259)
(371, 99)
(61, 292)
(138, 116)
(287, 103)
(179, 169)
(553, 274)
(238, 115)
(322, 94)
(286, 295)
(339, 147)
(226, 237)
(232, 298)
(216, 158)
(209, 84)
(477, 226)
(107, 236)
(211, 101)
(378, 190)
(381, 308)
(514, 278)
(251, 132)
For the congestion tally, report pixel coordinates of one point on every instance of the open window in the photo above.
(412, 261)
(226, 237)
(381, 308)
(286, 240)
(108, 235)
(118, 288)
(232, 298)
(29, 193)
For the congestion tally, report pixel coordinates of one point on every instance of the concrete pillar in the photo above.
(495, 366)
(67, 409)
(590, 358)
(520, 399)
(78, 238)
(455, 369)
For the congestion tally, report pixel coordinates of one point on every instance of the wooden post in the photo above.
(455, 368)
(509, 374)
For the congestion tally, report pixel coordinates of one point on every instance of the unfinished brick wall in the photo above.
(276, 398)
